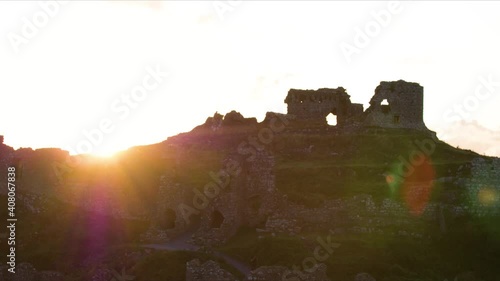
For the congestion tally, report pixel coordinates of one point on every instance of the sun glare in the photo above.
(105, 154)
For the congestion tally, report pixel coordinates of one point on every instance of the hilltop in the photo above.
(396, 201)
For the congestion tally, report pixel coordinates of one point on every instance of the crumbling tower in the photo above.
(397, 104)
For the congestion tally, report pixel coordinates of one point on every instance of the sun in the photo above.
(105, 152)
(111, 148)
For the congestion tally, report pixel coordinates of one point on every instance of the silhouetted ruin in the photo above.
(397, 104)
(313, 106)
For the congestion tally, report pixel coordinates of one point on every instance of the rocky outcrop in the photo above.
(234, 118)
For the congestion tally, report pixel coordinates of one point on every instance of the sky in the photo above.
(98, 77)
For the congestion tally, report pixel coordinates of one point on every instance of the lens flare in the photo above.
(389, 179)
(412, 181)
(417, 186)
(487, 196)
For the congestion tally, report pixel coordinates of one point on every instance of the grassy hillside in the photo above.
(310, 168)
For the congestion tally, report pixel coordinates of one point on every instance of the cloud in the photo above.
(471, 135)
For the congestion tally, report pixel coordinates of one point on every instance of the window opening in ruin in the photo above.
(168, 219)
(396, 119)
(331, 119)
(385, 107)
(217, 219)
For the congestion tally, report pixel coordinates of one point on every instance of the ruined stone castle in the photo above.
(397, 104)
(251, 198)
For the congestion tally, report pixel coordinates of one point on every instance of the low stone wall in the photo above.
(210, 270)
(357, 214)
(483, 187)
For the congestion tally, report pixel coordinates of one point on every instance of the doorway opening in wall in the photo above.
(396, 119)
(331, 119)
(217, 219)
(168, 219)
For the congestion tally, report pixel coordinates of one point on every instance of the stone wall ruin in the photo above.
(397, 104)
(248, 199)
(314, 106)
(483, 187)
